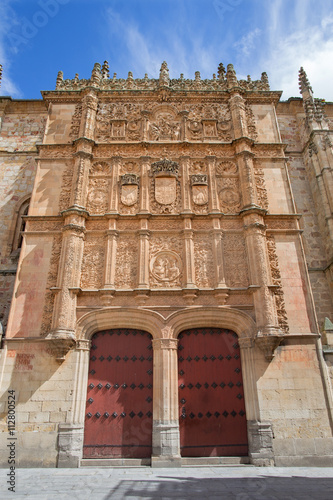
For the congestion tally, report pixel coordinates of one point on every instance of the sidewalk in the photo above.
(210, 483)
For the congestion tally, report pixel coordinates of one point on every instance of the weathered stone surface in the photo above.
(164, 210)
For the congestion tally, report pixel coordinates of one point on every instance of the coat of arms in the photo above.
(129, 189)
(199, 189)
(165, 190)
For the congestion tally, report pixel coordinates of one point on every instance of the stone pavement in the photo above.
(238, 483)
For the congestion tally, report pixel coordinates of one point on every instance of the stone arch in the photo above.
(122, 317)
(198, 317)
(164, 108)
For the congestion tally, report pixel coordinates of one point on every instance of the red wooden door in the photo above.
(211, 399)
(119, 398)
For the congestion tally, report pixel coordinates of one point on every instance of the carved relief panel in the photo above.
(165, 187)
(93, 262)
(51, 282)
(210, 121)
(235, 258)
(76, 121)
(126, 262)
(118, 121)
(66, 187)
(164, 124)
(276, 280)
(261, 187)
(99, 188)
(165, 261)
(228, 187)
(203, 261)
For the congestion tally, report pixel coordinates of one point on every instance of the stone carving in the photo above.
(100, 168)
(164, 128)
(127, 225)
(98, 195)
(51, 282)
(165, 262)
(261, 187)
(130, 167)
(96, 225)
(199, 184)
(235, 260)
(229, 195)
(165, 167)
(129, 193)
(268, 151)
(227, 168)
(203, 262)
(76, 121)
(165, 186)
(210, 121)
(51, 151)
(126, 263)
(117, 120)
(276, 279)
(198, 167)
(43, 225)
(92, 262)
(164, 81)
(281, 224)
(251, 123)
(164, 225)
(165, 190)
(166, 267)
(66, 187)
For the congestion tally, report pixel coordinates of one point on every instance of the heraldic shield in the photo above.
(200, 194)
(165, 190)
(129, 194)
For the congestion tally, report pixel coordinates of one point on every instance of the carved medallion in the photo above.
(165, 190)
(166, 266)
(229, 197)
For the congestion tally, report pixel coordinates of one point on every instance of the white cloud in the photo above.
(145, 52)
(309, 45)
(247, 43)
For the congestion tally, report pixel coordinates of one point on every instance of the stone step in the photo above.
(183, 462)
(115, 462)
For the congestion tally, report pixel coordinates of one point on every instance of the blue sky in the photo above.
(40, 37)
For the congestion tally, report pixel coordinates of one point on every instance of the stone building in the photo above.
(166, 256)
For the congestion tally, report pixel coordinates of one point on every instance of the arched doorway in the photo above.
(118, 417)
(212, 418)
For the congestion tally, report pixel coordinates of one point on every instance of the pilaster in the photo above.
(166, 448)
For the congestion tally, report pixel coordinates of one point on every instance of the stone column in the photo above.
(260, 434)
(145, 128)
(68, 282)
(246, 175)
(144, 255)
(185, 184)
(166, 447)
(69, 270)
(217, 235)
(144, 184)
(213, 201)
(71, 434)
(110, 256)
(184, 114)
(255, 239)
(114, 191)
(189, 270)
